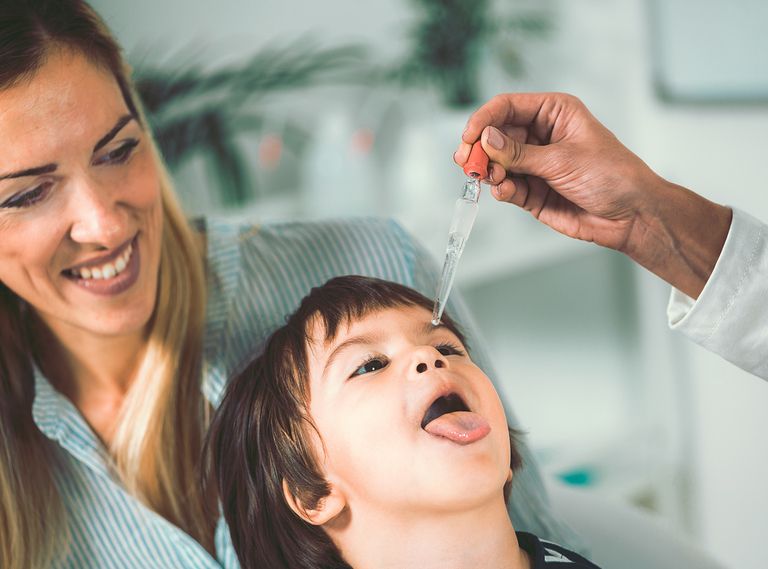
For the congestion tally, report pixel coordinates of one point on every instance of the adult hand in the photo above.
(550, 156)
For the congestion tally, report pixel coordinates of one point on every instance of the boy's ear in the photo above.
(326, 509)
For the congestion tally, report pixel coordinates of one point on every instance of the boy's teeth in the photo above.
(107, 270)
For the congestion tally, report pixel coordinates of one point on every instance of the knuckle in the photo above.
(498, 99)
(565, 100)
(515, 152)
(573, 100)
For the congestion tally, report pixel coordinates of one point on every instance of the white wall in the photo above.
(721, 154)
(234, 27)
(601, 53)
(719, 151)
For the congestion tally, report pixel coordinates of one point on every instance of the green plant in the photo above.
(193, 110)
(448, 39)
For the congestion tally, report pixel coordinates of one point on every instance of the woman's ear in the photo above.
(326, 509)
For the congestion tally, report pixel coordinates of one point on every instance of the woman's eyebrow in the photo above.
(124, 120)
(48, 168)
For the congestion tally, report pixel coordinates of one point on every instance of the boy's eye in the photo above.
(448, 349)
(371, 365)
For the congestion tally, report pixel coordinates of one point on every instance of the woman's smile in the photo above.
(81, 214)
(111, 274)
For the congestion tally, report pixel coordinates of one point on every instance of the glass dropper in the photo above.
(464, 214)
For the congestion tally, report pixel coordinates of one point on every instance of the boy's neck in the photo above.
(391, 539)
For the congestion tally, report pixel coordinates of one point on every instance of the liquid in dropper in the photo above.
(464, 214)
(452, 253)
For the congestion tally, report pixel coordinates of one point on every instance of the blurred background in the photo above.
(300, 110)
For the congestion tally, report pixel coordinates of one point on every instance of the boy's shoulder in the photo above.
(547, 555)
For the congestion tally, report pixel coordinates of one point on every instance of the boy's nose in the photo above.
(426, 361)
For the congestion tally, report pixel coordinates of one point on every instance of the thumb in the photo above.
(512, 155)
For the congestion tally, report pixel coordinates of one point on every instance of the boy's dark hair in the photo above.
(258, 436)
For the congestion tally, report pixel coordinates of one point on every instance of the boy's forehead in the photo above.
(399, 319)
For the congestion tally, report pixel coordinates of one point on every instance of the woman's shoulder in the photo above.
(258, 273)
(374, 246)
(341, 231)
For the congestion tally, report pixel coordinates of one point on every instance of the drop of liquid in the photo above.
(435, 322)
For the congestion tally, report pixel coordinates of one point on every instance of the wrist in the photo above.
(678, 235)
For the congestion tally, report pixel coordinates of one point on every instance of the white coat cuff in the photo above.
(730, 317)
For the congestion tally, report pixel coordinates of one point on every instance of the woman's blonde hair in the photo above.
(160, 428)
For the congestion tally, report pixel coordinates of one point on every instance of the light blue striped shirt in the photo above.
(256, 277)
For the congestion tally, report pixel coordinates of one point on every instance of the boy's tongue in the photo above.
(462, 427)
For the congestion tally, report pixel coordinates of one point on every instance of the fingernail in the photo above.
(495, 138)
(496, 191)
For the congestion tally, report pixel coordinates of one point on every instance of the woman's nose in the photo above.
(97, 217)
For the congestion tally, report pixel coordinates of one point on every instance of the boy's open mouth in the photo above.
(450, 417)
(446, 404)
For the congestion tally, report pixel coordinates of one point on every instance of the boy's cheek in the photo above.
(365, 438)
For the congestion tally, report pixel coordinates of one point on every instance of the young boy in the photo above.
(365, 437)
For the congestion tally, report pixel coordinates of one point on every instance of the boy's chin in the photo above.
(486, 458)
(457, 490)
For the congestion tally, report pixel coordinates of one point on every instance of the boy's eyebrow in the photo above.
(428, 328)
(348, 343)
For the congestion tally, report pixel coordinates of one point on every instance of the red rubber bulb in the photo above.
(477, 163)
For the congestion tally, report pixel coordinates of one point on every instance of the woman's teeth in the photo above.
(107, 270)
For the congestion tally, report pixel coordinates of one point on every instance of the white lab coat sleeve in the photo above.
(730, 317)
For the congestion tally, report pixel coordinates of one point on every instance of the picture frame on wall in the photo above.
(709, 51)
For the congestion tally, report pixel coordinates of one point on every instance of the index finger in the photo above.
(508, 109)
(462, 153)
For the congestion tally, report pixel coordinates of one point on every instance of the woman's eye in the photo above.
(119, 155)
(27, 199)
(374, 364)
(449, 350)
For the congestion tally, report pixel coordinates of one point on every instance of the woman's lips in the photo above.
(120, 276)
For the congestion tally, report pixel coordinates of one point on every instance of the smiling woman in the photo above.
(90, 239)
